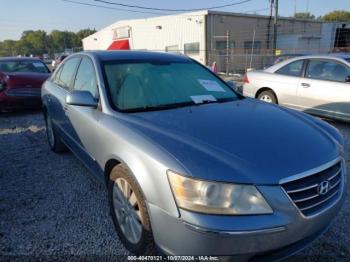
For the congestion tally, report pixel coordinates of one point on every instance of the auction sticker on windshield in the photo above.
(211, 85)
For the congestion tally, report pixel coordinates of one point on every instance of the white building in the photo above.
(234, 41)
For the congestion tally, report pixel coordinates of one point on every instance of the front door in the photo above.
(83, 121)
(323, 91)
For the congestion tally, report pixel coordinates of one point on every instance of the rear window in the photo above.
(291, 69)
(23, 66)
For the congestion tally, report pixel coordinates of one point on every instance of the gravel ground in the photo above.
(51, 206)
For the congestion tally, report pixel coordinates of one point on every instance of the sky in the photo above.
(20, 15)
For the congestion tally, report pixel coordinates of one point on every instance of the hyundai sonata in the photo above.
(192, 168)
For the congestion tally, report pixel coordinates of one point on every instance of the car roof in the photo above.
(332, 55)
(19, 59)
(137, 55)
(335, 56)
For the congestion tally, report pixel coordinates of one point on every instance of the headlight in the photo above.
(217, 198)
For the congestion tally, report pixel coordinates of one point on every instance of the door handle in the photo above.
(305, 85)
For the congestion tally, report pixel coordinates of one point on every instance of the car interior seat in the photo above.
(316, 71)
(131, 93)
(339, 73)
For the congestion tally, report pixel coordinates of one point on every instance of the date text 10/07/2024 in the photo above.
(173, 258)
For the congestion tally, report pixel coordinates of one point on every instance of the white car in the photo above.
(319, 85)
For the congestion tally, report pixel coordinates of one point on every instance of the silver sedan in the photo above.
(319, 85)
(191, 167)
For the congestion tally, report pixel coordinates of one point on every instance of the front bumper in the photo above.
(286, 230)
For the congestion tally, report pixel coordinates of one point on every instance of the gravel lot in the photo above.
(51, 206)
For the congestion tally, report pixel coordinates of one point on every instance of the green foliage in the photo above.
(337, 15)
(305, 15)
(39, 42)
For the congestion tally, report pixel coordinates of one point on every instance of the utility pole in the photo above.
(227, 51)
(252, 51)
(275, 27)
(268, 40)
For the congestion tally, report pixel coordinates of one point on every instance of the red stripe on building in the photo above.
(119, 45)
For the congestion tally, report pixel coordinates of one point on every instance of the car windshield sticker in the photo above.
(203, 98)
(37, 64)
(211, 85)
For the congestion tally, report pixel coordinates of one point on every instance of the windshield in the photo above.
(347, 59)
(23, 66)
(141, 86)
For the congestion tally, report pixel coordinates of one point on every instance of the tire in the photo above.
(53, 138)
(268, 97)
(128, 211)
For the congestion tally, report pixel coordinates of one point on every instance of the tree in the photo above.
(337, 15)
(85, 33)
(34, 42)
(305, 15)
(39, 42)
(7, 48)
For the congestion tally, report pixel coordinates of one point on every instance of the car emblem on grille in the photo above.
(323, 187)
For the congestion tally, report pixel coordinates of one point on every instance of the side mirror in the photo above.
(347, 79)
(235, 87)
(81, 98)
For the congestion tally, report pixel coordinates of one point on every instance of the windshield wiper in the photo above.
(175, 105)
(218, 100)
(158, 107)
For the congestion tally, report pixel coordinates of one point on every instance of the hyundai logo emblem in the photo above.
(323, 188)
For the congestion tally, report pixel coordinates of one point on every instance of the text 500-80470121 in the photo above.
(192, 167)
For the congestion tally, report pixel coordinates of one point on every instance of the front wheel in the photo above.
(268, 97)
(129, 212)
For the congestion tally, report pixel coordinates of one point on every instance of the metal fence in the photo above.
(237, 62)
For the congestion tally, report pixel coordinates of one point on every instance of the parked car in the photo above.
(319, 85)
(192, 167)
(58, 60)
(20, 82)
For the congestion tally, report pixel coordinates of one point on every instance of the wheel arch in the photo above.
(262, 89)
(110, 164)
(151, 180)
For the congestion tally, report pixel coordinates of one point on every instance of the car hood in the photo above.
(19, 80)
(244, 141)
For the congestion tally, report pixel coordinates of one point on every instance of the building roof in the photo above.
(210, 12)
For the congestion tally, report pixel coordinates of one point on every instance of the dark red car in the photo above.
(20, 82)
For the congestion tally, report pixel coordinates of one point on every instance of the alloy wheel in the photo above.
(126, 208)
(266, 99)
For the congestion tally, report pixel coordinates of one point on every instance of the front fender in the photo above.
(146, 161)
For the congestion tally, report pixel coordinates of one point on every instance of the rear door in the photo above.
(285, 82)
(323, 90)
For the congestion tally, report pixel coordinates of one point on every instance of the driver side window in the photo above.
(327, 70)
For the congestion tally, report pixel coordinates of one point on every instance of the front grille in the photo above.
(306, 192)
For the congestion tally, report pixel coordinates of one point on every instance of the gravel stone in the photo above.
(52, 207)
